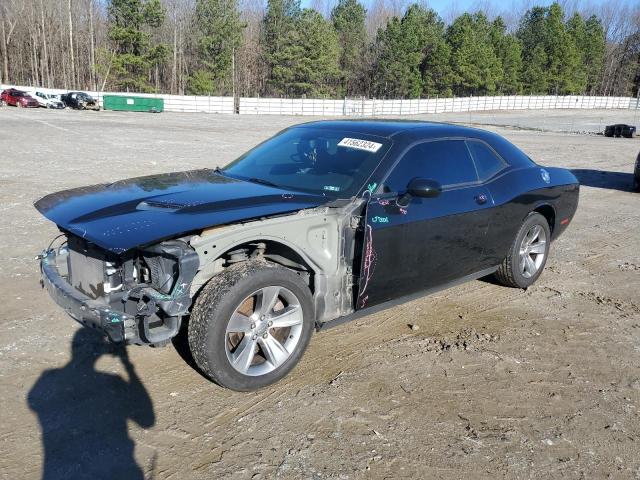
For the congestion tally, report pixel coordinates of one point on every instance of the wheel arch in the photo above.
(275, 250)
(549, 213)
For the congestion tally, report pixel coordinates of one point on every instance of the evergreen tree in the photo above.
(475, 66)
(532, 31)
(218, 34)
(411, 57)
(535, 73)
(546, 38)
(532, 36)
(436, 71)
(577, 30)
(391, 72)
(593, 51)
(279, 32)
(134, 55)
(307, 59)
(509, 53)
(562, 54)
(348, 18)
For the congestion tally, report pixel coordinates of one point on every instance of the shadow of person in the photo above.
(83, 414)
(604, 179)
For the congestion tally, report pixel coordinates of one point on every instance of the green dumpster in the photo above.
(132, 103)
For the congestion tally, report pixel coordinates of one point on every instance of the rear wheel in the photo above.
(251, 325)
(528, 253)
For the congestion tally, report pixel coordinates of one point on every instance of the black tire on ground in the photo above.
(636, 184)
(509, 273)
(217, 302)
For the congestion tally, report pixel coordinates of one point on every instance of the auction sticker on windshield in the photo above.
(360, 144)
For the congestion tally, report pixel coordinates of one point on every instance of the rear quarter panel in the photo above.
(519, 192)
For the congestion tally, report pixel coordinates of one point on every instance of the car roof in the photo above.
(405, 132)
(392, 128)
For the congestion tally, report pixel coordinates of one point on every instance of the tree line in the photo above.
(388, 50)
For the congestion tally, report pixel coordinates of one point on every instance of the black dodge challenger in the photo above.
(323, 223)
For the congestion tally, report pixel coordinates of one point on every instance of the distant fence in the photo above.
(369, 107)
(373, 107)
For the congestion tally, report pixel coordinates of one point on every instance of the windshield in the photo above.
(328, 162)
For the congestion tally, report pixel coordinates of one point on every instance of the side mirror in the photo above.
(424, 187)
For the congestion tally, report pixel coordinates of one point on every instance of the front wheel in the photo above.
(250, 325)
(528, 253)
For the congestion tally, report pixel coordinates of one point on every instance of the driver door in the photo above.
(413, 244)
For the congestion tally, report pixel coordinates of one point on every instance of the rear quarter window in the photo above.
(487, 162)
(507, 150)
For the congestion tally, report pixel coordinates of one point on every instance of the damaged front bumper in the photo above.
(118, 326)
(140, 315)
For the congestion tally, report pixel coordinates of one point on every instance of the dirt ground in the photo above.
(495, 383)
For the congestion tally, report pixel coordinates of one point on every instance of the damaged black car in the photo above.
(321, 224)
(80, 101)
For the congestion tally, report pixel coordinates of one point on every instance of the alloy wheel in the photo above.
(533, 249)
(264, 331)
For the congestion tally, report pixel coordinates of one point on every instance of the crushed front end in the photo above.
(137, 297)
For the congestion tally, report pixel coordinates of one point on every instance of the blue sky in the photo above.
(449, 9)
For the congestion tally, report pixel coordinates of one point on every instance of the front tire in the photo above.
(250, 325)
(528, 253)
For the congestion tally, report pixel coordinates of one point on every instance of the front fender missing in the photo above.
(178, 301)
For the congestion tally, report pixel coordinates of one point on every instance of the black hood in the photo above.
(140, 211)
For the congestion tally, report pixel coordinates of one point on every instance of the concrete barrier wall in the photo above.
(369, 107)
(373, 107)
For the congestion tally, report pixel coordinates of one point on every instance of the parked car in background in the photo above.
(80, 101)
(18, 98)
(323, 223)
(47, 100)
(636, 174)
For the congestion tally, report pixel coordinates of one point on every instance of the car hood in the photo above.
(140, 211)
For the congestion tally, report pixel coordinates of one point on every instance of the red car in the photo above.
(18, 98)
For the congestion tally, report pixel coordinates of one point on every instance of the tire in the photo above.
(636, 184)
(532, 242)
(249, 353)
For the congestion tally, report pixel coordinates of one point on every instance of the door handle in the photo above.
(481, 199)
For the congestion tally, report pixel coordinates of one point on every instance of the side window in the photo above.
(446, 161)
(487, 163)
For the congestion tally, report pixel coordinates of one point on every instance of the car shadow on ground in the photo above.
(603, 179)
(83, 414)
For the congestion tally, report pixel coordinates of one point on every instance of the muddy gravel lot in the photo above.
(495, 383)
